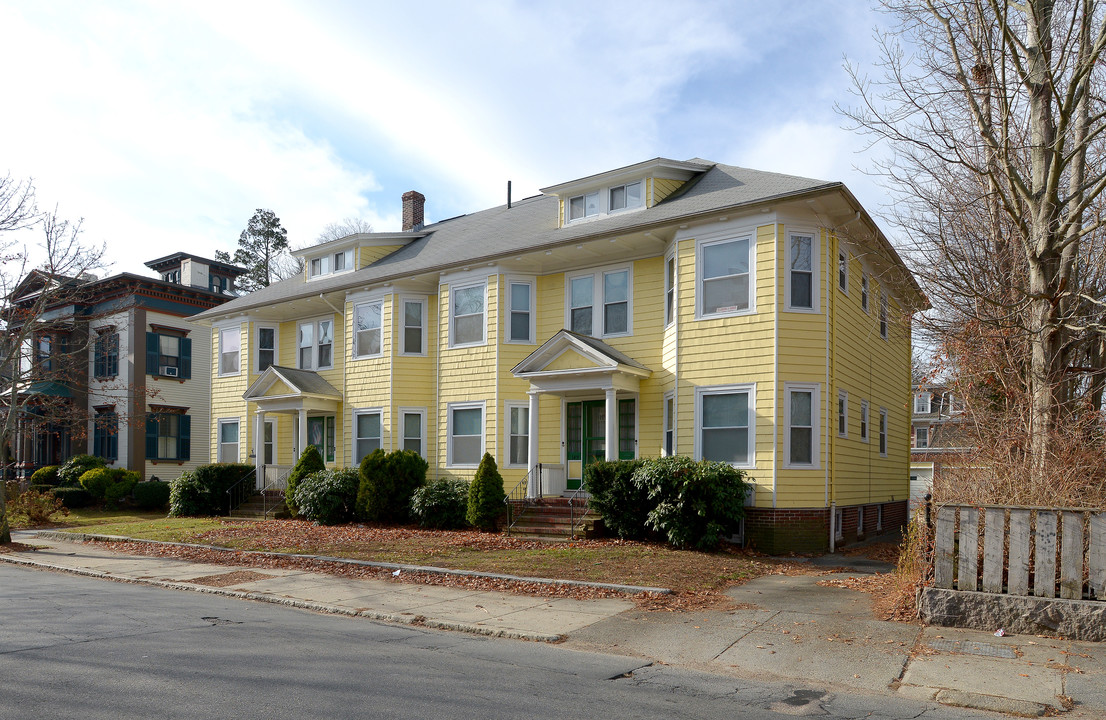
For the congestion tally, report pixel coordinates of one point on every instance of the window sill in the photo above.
(728, 314)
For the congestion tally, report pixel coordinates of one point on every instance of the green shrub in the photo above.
(151, 495)
(122, 487)
(69, 475)
(486, 496)
(328, 496)
(441, 504)
(204, 490)
(97, 481)
(387, 484)
(310, 462)
(46, 475)
(73, 497)
(37, 487)
(623, 504)
(696, 504)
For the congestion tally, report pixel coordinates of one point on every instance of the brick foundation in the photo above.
(806, 530)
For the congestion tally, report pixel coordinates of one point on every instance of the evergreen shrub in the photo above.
(486, 496)
(310, 461)
(327, 497)
(441, 504)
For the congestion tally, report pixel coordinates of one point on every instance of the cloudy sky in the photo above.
(165, 125)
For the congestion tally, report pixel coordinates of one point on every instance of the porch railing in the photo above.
(1025, 551)
(519, 499)
(240, 490)
(578, 504)
(275, 481)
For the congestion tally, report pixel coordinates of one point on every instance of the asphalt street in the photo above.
(73, 647)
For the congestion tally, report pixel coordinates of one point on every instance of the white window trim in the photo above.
(666, 420)
(219, 438)
(600, 206)
(276, 345)
(628, 208)
(529, 281)
(356, 350)
(815, 271)
(815, 458)
(673, 288)
(751, 389)
(842, 251)
(843, 405)
(507, 407)
(751, 236)
(354, 462)
(450, 407)
(421, 412)
(918, 429)
(928, 397)
(865, 421)
(315, 335)
(329, 259)
(884, 316)
(598, 298)
(483, 325)
(884, 431)
(230, 328)
(402, 322)
(865, 294)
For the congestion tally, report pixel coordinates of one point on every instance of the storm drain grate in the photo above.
(972, 647)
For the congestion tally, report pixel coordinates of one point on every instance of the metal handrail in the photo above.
(235, 491)
(577, 494)
(281, 479)
(518, 495)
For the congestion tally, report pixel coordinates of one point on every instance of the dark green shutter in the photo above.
(184, 448)
(153, 350)
(151, 435)
(185, 358)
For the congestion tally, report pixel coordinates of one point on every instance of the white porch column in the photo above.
(259, 448)
(303, 432)
(533, 487)
(612, 425)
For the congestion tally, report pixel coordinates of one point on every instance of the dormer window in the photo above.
(218, 284)
(328, 264)
(172, 276)
(625, 196)
(583, 206)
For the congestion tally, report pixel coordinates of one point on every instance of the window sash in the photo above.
(168, 436)
(882, 432)
(582, 303)
(725, 276)
(864, 420)
(230, 344)
(466, 435)
(266, 348)
(843, 415)
(413, 326)
(802, 272)
(616, 306)
(518, 434)
(520, 312)
(843, 270)
(921, 438)
(670, 291)
(801, 427)
(412, 431)
(367, 434)
(467, 308)
(367, 329)
(724, 426)
(864, 293)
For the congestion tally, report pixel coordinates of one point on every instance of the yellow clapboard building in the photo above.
(667, 307)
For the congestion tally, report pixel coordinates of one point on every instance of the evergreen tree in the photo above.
(486, 496)
(260, 246)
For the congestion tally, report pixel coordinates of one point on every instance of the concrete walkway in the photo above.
(787, 626)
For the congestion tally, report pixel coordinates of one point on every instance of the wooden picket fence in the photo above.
(1044, 552)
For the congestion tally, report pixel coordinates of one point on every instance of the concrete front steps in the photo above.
(551, 518)
(260, 506)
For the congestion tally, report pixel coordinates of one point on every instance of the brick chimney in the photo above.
(412, 210)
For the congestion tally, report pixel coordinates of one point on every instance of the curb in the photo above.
(429, 569)
(399, 618)
(976, 701)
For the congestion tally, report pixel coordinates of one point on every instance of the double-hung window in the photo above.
(842, 414)
(724, 276)
(843, 270)
(230, 345)
(801, 276)
(883, 432)
(316, 345)
(367, 329)
(922, 403)
(106, 354)
(168, 434)
(521, 320)
(582, 206)
(801, 412)
(228, 441)
(883, 315)
(725, 426)
(604, 294)
(466, 434)
(412, 427)
(921, 438)
(169, 353)
(414, 327)
(366, 428)
(864, 292)
(669, 424)
(864, 420)
(105, 434)
(669, 290)
(467, 315)
(266, 348)
(518, 434)
(625, 196)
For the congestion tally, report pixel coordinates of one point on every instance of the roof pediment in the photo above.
(571, 353)
(284, 382)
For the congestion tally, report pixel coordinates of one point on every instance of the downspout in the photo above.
(831, 303)
(775, 356)
(437, 386)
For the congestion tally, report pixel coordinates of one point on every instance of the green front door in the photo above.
(586, 430)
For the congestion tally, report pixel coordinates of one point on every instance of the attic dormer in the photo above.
(628, 189)
(197, 272)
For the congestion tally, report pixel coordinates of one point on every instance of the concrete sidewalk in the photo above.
(786, 626)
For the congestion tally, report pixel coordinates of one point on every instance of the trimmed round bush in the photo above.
(97, 481)
(70, 473)
(46, 475)
(121, 487)
(187, 496)
(388, 483)
(73, 497)
(441, 504)
(486, 496)
(151, 495)
(328, 496)
(310, 462)
(695, 504)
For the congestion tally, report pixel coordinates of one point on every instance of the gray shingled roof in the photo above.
(620, 357)
(531, 224)
(307, 382)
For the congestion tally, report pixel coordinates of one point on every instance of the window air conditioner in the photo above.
(169, 371)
